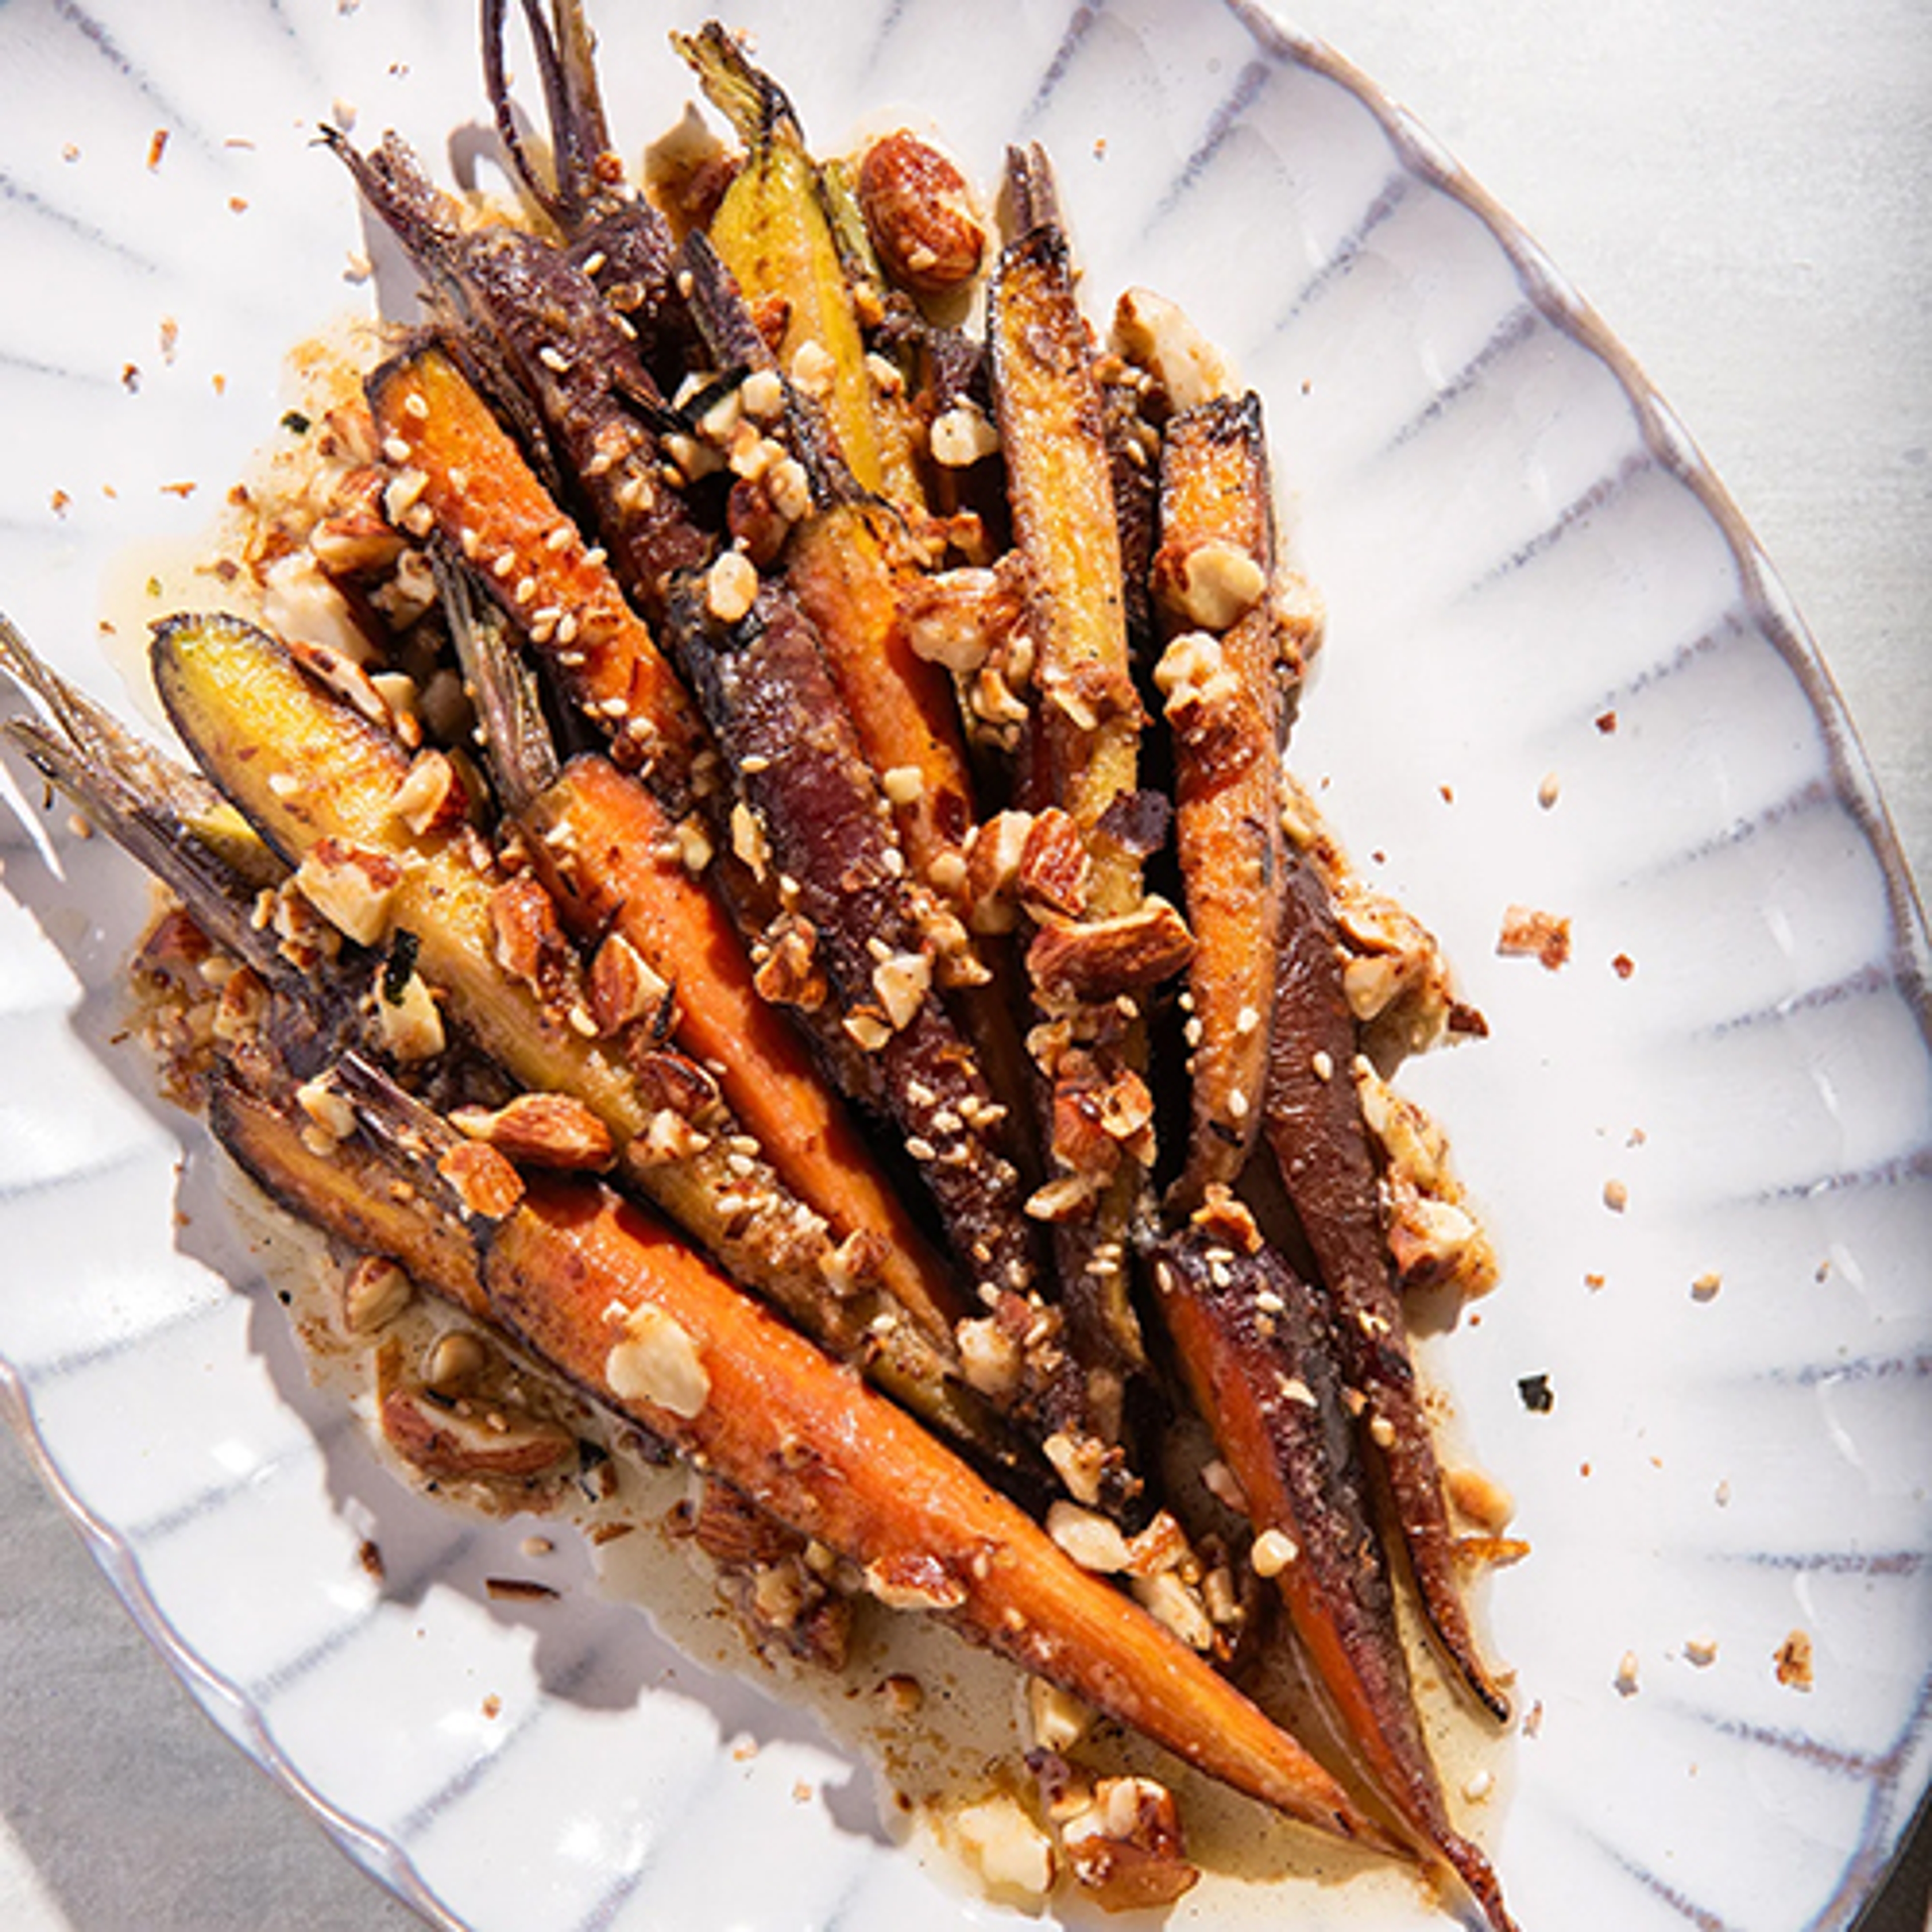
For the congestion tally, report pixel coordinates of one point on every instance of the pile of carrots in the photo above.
(862, 845)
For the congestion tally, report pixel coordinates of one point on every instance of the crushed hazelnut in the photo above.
(813, 371)
(1093, 1541)
(1156, 335)
(1542, 936)
(1793, 1661)
(731, 586)
(989, 1357)
(902, 982)
(353, 887)
(657, 1361)
(1479, 1498)
(1077, 1460)
(409, 1022)
(762, 394)
(1168, 1600)
(913, 1583)
(1220, 1483)
(1010, 1852)
(1212, 585)
(374, 1292)
(962, 435)
(1126, 1846)
(326, 1108)
(430, 797)
(1273, 1551)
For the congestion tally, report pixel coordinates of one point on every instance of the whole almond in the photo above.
(920, 215)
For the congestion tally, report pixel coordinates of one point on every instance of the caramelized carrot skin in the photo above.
(1321, 1145)
(1259, 1358)
(569, 1272)
(1227, 736)
(1059, 482)
(604, 839)
(488, 501)
(903, 709)
(839, 566)
(779, 722)
(1083, 748)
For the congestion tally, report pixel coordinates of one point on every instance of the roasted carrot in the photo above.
(304, 768)
(1085, 730)
(616, 1302)
(1221, 678)
(927, 1533)
(840, 565)
(848, 561)
(772, 232)
(180, 819)
(1048, 403)
(815, 806)
(1259, 1358)
(560, 591)
(1321, 1144)
(611, 853)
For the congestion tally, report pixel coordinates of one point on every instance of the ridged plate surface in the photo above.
(1531, 577)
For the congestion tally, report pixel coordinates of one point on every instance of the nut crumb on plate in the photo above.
(1793, 1660)
(1527, 933)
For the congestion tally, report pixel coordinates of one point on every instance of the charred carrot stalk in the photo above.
(1259, 1359)
(845, 559)
(1321, 1145)
(169, 817)
(616, 236)
(560, 591)
(607, 1295)
(346, 1189)
(1221, 678)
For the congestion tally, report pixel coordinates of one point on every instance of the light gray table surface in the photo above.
(1740, 186)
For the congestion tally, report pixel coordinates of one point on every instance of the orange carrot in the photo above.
(603, 840)
(561, 593)
(595, 1286)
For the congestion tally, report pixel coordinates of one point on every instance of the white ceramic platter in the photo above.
(1519, 547)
